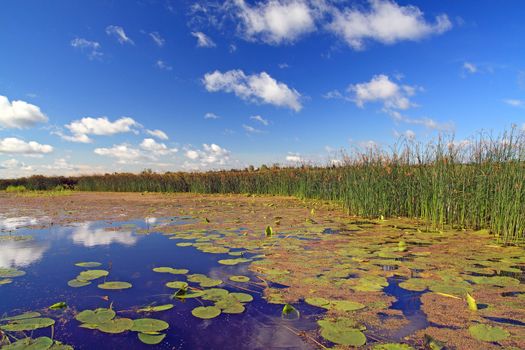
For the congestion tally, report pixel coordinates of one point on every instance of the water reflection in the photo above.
(20, 254)
(88, 236)
(18, 222)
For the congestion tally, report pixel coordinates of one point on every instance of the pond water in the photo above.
(49, 259)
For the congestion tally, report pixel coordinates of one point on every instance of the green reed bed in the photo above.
(477, 184)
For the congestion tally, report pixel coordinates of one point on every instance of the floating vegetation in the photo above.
(88, 264)
(90, 275)
(171, 270)
(206, 312)
(157, 308)
(488, 333)
(41, 343)
(233, 261)
(151, 338)
(239, 278)
(147, 325)
(58, 306)
(115, 285)
(27, 324)
(9, 273)
(342, 331)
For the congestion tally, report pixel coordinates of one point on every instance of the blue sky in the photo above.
(186, 85)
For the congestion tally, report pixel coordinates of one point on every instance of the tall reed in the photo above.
(479, 184)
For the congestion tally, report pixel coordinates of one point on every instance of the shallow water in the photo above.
(49, 262)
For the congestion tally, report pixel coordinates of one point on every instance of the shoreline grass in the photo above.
(476, 184)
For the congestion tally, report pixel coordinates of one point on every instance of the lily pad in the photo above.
(8, 273)
(96, 316)
(351, 337)
(90, 275)
(28, 324)
(393, 346)
(115, 285)
(177, 284)
(206, 312)
(317, 301)
(42, 343)
(157, 308)
(240, 278)
(145, 325)
(115, 326)
(22, 316)
(88, 264)
(58, 306)
(242, 297)
(75, 283)
(5, 281)
(215, 294)
(171, 270)
(151, 339)
(346, 305)
(232, 262)
(488, 333)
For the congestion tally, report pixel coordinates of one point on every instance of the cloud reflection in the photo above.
(88, 236)
(20, 254)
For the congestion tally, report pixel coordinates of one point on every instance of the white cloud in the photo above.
(386, 22)
(91, 47)
(160, 64)
(19, 114)
(294, 158)
(514, 102)
(381, 89)
(203, 40)
(470, 67)
(210, 115)
(13, 164)
(124, 153)
(334, 94)
(251, 129)
(209, 155)
(260, 119)
(409, 135)
(157, 39)
(81, 129)
(275, 21)
(256, 87)
(156, 148)
(12, 145)
(161, 135)
(119, 34)
(426, 122)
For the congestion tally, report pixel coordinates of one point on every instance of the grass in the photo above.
(479, 184)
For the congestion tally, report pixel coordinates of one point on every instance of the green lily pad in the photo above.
(488, 333)
(237, 308)
(115, 326)
(346, 305)
(210, 282)
(242, 297)
(177, 284)
(415, 284)
(88, 264)
(206, 312)
(188, 294)
(8, 273)
(115, 285)
(145, 325)
(239, 278)
(22, 316)
(90, 275)
(232, 262)
(5, 281)
(157, 308)
(28, 324)
(96, 316)
(215, 294)
(317, 301)
(78, 283)
(42, 343)
(171, 270)
(351, 337)
(58, 306)
(183, 244)
(151, 339)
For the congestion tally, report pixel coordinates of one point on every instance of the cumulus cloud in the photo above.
(275, 21)
(92, 48)
(428, 123)
(203, 40)
(14, 164)
(12, 145)
(161, 135)
(118, 33)
(160, 64)
(260, 88)
(124, 153)
(210, 155)
(155, 148)
(210, 115)
(386, 22)
(81, 129)
(260, 119)
(381, 89)
(19, 114)
(157, 39)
